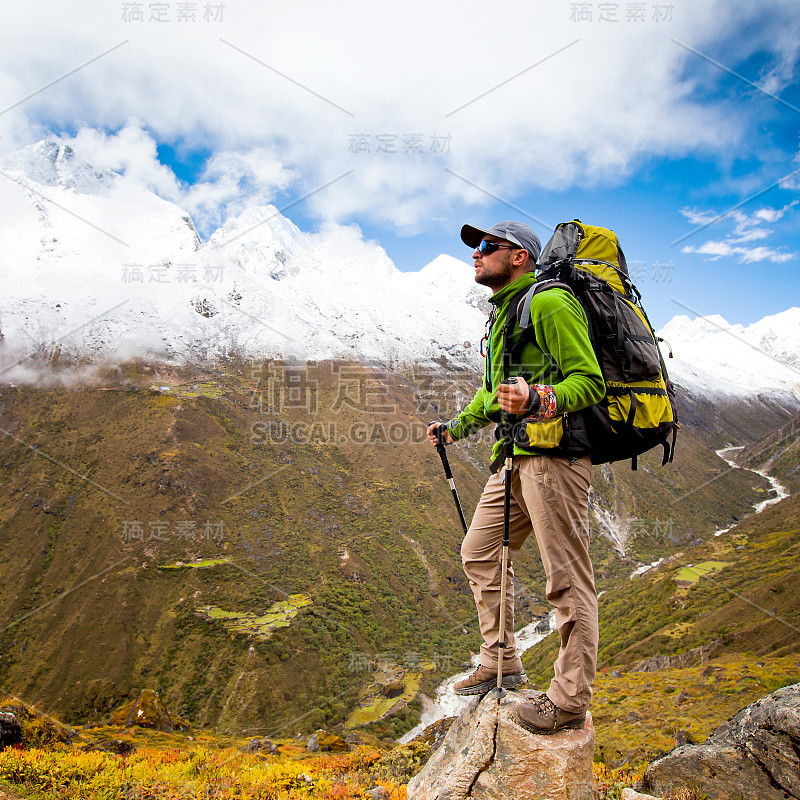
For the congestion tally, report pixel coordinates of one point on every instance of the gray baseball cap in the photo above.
(515, 232)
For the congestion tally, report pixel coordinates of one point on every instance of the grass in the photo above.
(193, 764)
(199, 766)
(691, 574)
(174, 774)
(638, 714)
(747, 607)
(261, 626)
(202, 563)
(379, 705)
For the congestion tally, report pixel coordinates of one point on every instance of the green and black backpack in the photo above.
(638, 411)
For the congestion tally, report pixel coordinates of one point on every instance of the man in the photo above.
(556, 372)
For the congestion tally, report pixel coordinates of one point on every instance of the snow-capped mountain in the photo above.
(717, 359)
(95, 264)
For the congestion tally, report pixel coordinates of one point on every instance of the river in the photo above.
(780, 490)
(776, 486)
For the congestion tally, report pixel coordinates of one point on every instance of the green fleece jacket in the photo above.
(566, 362)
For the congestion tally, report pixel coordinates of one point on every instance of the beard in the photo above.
(496, 276)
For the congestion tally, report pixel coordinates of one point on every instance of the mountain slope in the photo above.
(135, 522)
(345, 520)
(778, 453)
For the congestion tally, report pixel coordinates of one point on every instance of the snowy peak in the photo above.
(719, 359)
(52, 163)
(101, 265)
(448, 278)
(95, 262)
(261, 241)
(261, 225)
(341, 252)
(778, 336)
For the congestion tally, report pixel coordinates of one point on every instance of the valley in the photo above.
(262, 539)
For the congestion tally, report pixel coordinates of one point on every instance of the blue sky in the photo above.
(672, 123)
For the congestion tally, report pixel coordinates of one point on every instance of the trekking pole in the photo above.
(508, 420)
(448, 473)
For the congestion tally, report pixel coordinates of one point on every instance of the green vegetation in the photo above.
(138, 762)
(262, 626)
(202, 563)
(190, 389)
(688, 575)
(637, 715)
(237, 522)
(175, 774)
(732, 635)
(778, 453)
(212, 495)
(749, 607)
(383, 698)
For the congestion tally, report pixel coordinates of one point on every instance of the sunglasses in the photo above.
(487, 248)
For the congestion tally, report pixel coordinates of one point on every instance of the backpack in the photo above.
(639, 410)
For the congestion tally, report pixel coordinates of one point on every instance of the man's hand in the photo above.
(432, 434)
(514, 398)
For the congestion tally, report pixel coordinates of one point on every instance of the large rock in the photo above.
(434, 735)
(697, 655)
(258, 745)
(148, 711)
(22, 724)
(487, 756)
(754, 754)
(10, 731)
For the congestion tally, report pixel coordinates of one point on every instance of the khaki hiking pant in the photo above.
(551, 497)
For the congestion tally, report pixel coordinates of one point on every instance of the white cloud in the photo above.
(774, 214)
(716, 249)
(131, 151)
(698, 217)
(618, 93)
(229, 183)
(753, 235)
(232, 182)
(746, 228)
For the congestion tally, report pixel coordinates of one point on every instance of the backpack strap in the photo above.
(521, 308)
(511, 349)
(519, 313)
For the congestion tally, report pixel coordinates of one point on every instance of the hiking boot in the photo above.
(542, 715)
(484, 679)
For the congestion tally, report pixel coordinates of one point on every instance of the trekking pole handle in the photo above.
(448, 473)
(440, 449)
(508, 422)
